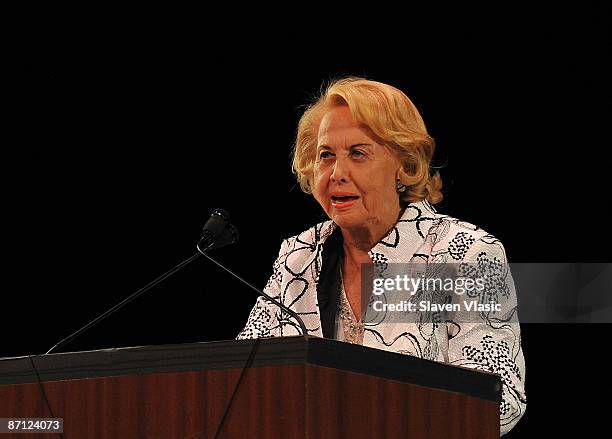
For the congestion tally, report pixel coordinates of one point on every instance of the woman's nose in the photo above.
(340, 171)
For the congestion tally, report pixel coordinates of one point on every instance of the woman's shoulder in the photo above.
(441, 226)
(312, 236)
(457, 226)
(462, 238)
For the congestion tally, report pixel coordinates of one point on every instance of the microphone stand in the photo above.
(218, 232)
(124, 302)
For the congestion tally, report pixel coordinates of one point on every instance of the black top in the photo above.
(328, 287)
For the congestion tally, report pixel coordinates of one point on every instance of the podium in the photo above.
(288, 387)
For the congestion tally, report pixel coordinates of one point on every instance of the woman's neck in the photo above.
(359, 241)
(355, 255)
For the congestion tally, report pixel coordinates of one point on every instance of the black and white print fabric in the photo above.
(422, 235)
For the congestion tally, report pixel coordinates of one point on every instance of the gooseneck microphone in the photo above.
(217, 232)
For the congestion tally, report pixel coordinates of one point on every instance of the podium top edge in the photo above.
(254, 353)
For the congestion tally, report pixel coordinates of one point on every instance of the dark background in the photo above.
(129, 133)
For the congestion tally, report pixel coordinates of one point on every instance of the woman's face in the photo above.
(354, 177)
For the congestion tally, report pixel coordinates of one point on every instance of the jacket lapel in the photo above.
(314, 263)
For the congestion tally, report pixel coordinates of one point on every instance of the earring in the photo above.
(399, 186)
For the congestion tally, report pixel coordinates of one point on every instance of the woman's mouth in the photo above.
(343, 201)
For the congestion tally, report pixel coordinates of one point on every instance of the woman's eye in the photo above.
(357, 153)
(325, 155)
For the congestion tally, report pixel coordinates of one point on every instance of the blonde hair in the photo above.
(394, 121)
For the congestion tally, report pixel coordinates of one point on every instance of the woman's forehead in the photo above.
(342, 132)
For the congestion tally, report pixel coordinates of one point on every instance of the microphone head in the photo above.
(218, 232)
(217, 222)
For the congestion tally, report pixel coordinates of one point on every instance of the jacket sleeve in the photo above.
(263, 321)
(491, 340)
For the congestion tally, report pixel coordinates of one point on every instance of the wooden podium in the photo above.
(290, 387)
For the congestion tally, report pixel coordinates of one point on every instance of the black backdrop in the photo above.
(131, 135)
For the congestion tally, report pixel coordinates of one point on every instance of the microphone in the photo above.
(218, 232)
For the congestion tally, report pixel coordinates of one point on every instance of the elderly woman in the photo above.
(363, 151)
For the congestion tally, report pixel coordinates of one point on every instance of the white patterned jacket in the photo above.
(422, 236)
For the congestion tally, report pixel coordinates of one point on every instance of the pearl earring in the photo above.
(399, 186)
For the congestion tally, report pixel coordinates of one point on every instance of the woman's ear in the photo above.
(399, 173)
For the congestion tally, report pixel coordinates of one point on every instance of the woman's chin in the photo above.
(347, 220)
